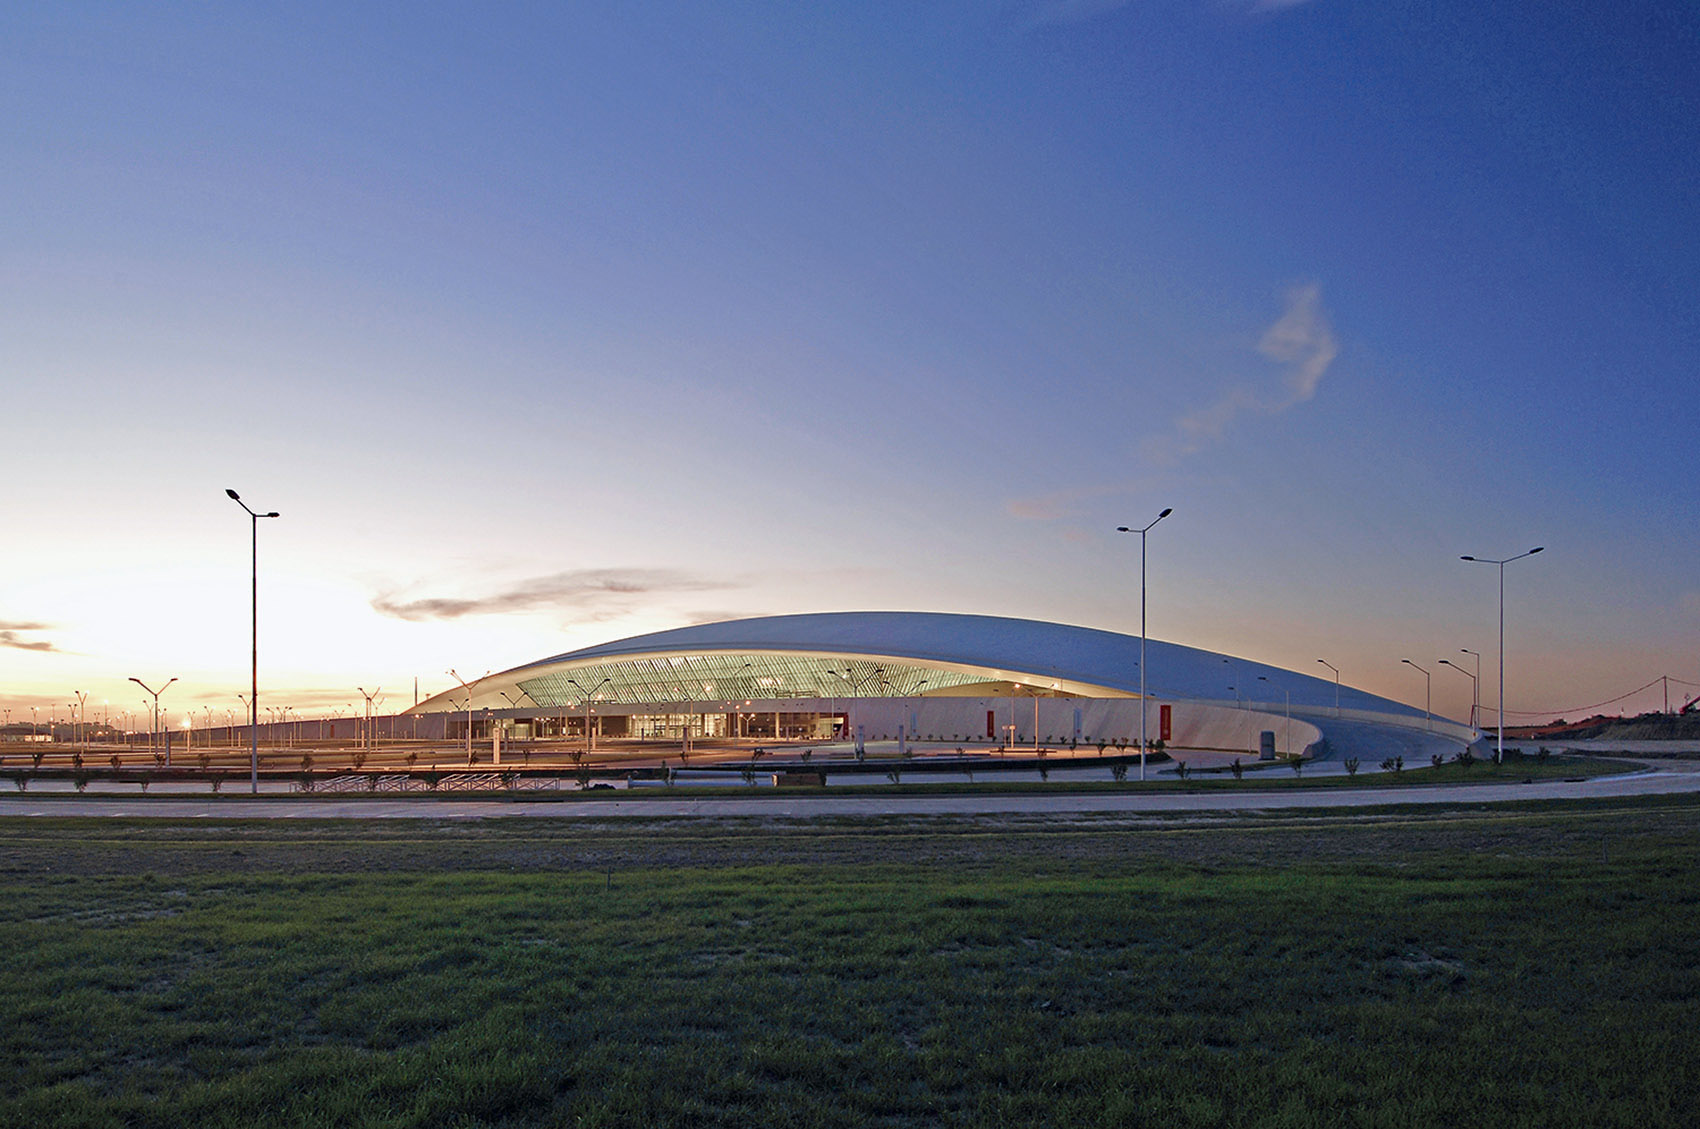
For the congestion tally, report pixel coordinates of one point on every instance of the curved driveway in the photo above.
(806, 805)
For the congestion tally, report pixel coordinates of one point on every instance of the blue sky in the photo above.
(544, 324)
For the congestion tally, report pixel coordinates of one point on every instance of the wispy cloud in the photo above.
(11, 635)
(593, 594)
(1301, 341)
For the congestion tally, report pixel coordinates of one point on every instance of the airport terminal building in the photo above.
(919, 677)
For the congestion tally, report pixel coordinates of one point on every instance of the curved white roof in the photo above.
(1078, 660)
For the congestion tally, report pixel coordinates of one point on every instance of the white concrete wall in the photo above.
(1193, 725)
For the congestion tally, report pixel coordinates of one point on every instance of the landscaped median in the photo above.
(913, 777)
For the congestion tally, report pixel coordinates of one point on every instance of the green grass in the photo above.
(1534, 966)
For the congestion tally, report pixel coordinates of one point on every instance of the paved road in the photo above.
(803, 806)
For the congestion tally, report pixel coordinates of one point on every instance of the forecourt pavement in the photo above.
(1650, 783)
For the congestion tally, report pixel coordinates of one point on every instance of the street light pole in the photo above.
(1474, 692)
(1499, 751)
(254, 625)
(1336, 671)
(1428, 697)
(468, 690)
(589, 737)
(1142, 702)
(1476, 698)
(154, 739)
(367, 744)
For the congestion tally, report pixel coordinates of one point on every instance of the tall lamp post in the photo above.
(1476, 701)
(254, 624)
(1475, 693)
(468, 689)
(1142, 703)
(1499, 750)
(589, 737)
(1428, 692)
(368, 743)
(154, 740)
(1336, 671)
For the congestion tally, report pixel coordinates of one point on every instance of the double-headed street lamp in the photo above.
(589, 736)
(1142, 703)
(1428, 688)
(254, 618)
(1499, 751)
(154, 739)
(368, 742)
(468, 688)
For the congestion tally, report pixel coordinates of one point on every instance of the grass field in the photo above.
(1526, 965)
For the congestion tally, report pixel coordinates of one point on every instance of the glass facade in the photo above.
(720, 681)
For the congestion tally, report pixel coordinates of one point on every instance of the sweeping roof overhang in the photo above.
(1076, 660)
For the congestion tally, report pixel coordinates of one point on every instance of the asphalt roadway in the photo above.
(1664, 780)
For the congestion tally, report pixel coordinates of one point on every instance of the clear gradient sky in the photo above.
(545, 324)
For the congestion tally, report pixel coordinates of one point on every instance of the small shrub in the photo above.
(1351, 766)
(359, 759)
(37, 754)
(508, 780)
(204, 760)
(22, 781)
(81, 780)
(1181, 769)
(1436, 759)
(895, 776)
(116, 761)
(1044, 773)
(1399, 763)
(76, 760)
(307, 762)
(1119, 771)
(1541, 755)
(413, 758)
(1237, 769)
(1298, 764)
